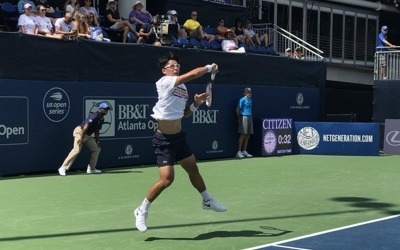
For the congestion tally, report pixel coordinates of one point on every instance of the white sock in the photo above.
(205, 195)
(145, 205)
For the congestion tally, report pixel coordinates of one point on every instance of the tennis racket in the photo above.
(209, 90)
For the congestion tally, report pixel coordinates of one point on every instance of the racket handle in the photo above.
(212, 77)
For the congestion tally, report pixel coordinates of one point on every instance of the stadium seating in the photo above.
(205, 44)
(184, 43)
(10, 16)
(195, 43)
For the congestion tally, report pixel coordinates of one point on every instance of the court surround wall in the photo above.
(49, 86)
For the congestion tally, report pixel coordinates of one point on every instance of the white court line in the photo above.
(295, 248)
(323, 232)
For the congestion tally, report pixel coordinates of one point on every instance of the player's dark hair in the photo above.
(163, 61)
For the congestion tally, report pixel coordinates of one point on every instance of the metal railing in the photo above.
(281, 39)
(387, 64)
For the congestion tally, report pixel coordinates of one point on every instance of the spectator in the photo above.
(44, 25)
(173, 19)
(139, 17)
(230, 43)
(87, 8)
(298, 54)
(194, 28)
(26, 21)
(21, 6)
(288, 52)
(245, 129)
(239, 31)
(82, 135)
(381, 43)
(65, 27)
(220, 30)
(82, 26)
(73, 7)
(50, 11)
(254, 37)
(147, 34)
(115, 22)
(96, 33)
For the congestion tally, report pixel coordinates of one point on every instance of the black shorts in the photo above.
(170, 148)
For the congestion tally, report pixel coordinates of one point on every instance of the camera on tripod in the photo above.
(163, 30)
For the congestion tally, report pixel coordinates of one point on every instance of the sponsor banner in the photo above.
(337, 138)
(14, 121)
(391, 139)
(39, 117)
(277, 136)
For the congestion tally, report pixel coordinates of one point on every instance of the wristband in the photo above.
(192, 107)
(209, 68)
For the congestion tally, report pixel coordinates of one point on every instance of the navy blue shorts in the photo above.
(170, 148)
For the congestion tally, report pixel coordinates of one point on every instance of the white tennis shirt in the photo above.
(171, 100)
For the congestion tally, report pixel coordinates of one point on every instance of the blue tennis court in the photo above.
(380, 234)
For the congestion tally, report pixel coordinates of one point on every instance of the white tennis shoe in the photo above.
(141, 220)
(213, 205)
(245, 154)
(62, 171)
(93, 171)
(239, 155)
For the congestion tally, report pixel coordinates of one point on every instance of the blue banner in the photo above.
(14, 126)
(38, 118)
(337, 138)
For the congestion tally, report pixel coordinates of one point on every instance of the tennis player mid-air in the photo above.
(169, 141)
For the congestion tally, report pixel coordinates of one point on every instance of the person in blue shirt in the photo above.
(245, 118)
(82, 135)
(381, 45)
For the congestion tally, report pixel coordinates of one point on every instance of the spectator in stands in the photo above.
(139, 17)
(173, 19)
(239, 31)
(298, 54)
(245, 118)
(50, 11)
(87, 8)
(21, 6)
(73, 7)
(26, 21)
(194, 28)
(288, 52)
(65, 26)
(82, 135)
(381, 44)
(230, 43)
(115, 22)
(220, 30)
(82, 26)
(96, 33)
(147, 34)
(254, 37)
(44, 25)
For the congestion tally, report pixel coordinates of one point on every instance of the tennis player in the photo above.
(169, 141)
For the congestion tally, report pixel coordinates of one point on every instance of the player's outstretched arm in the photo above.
(196, 73)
